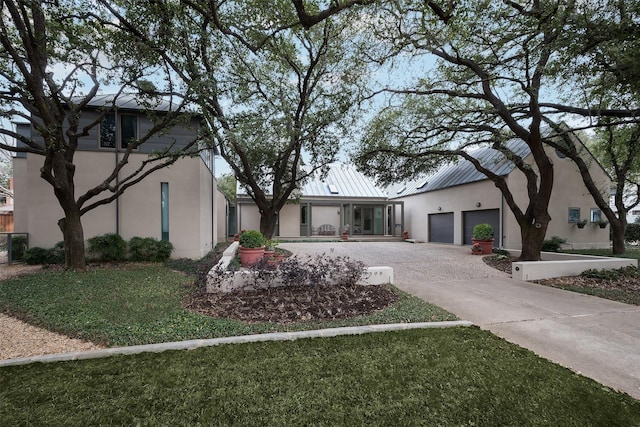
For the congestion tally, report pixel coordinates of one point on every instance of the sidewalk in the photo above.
(593, 336)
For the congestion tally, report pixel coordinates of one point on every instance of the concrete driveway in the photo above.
(595, 337)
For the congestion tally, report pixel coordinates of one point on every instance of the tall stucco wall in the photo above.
(138, 209)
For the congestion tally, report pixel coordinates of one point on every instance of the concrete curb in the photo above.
(193, 344)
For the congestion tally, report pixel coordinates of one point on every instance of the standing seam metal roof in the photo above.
(348, 182)
(463, 171)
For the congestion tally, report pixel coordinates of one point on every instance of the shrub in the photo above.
(620, 273)
(483, 232)
(107, 247)
(18, 247)
(554, 244)
(501, 253)
(633, 233)
(143, 249)
(251, 239)
(36, 255)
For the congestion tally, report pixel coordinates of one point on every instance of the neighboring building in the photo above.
(445, 206)
(344, 199)
(179, 203)
(6, 210)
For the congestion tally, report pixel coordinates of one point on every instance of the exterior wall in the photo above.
(325, 215)
(220, 216)
(138, 209)
(289, 220)
(455, 199)
(568, 192)
(248, 216)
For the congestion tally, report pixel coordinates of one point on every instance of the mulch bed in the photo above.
(293, 304)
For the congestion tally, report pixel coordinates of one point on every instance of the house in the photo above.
(445, 206)
(179, 203)
(343, 199)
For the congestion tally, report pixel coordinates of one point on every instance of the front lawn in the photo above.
(448, 377)
(143, 304)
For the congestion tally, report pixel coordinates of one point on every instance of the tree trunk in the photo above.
(532, 239)
(268, 221)
(73, 233)
(618, 230)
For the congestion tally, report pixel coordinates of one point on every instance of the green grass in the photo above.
(143, 304)
(448, 377)
(620, 295)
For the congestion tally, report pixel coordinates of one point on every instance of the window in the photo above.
(128, 130)
(574, 214)
(596, 215)
(164, 208)
(108, 131)
(303, 215)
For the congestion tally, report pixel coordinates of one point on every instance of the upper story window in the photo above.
(128, 127)
(108, 131)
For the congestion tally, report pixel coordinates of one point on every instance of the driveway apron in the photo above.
(593, 336)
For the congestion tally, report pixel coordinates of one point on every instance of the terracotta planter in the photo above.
(269, 253)
(250, 256)
(345, 235)
(486, 245)
(405, 235)
(272, 263)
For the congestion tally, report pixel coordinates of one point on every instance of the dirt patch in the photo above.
(293, 304)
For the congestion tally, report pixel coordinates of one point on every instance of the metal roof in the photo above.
(345, 181)
(131, 102)
(461, 172)
(342, 181)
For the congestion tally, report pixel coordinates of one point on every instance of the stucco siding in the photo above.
(289, 220)
(38, 211)
(248, 216)
(326, 215)
(568, 191)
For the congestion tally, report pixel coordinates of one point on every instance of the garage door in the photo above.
(489, 216)
(441, 228)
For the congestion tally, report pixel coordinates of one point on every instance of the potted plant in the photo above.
(476, 249)
(483, 236)
(603, 223)
(581, 223)
(270, 248)
(251, 247)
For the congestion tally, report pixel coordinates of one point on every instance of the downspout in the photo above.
(117, 184)
(502, 221)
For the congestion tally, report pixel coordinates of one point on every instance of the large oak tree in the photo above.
(278, 99)
(55, 57)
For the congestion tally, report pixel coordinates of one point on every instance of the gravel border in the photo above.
(19, 339)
